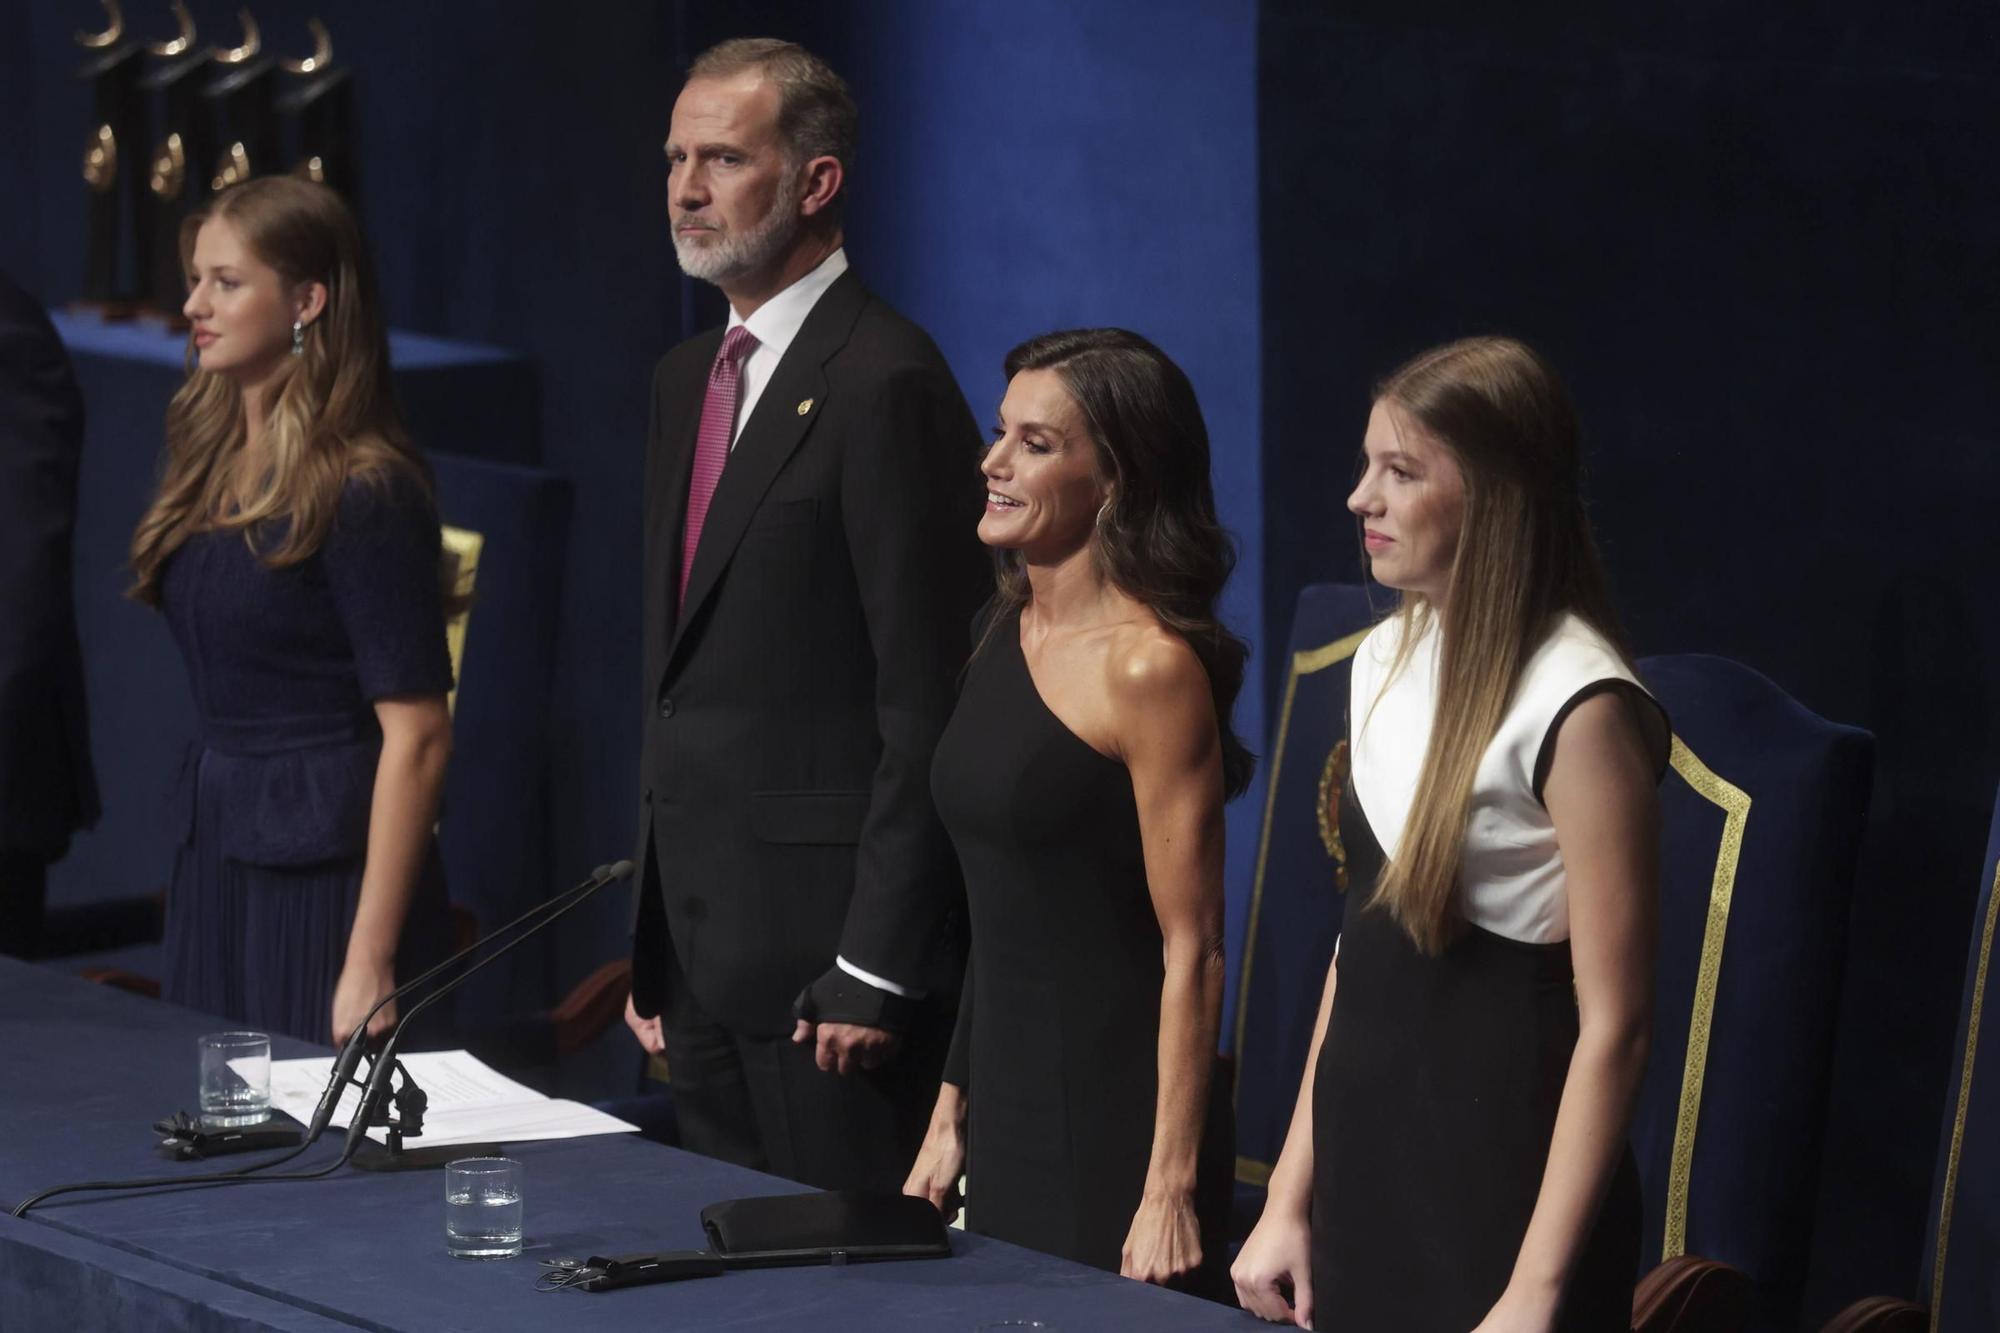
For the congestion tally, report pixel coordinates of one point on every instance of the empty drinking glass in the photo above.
(482, 1208)
(235, 1078)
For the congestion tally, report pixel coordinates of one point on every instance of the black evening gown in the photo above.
(1058, 1031)
(272, 807)
(1434, 1101)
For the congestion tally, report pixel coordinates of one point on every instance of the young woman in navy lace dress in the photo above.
(294, 549)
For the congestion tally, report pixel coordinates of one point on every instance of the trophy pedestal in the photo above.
(176, 183)
(113, 160)
(243, 126)
(318, 111)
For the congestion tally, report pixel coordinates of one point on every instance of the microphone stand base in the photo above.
(372, 1156)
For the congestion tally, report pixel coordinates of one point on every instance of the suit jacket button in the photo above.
(666, 706)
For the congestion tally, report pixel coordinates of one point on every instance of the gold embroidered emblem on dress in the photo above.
(1332, 782)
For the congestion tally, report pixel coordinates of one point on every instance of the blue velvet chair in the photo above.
(514, 523)
(1962, 1253)
(1959, 1284)
(1762, 816)
(1297, 894)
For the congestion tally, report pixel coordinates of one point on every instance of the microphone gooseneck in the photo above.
(357, 1042)
(382, 1070)
(535, 919)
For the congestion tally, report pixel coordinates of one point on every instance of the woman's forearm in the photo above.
(1589, 1138)
(949, 1110)
(1190, 1021)
(409, 779)
(1290, 1186)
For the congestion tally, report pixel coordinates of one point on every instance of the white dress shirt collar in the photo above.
(776, 322)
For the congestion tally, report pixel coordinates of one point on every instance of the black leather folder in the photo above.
(842, 1226)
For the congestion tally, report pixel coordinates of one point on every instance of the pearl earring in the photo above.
(298, 337)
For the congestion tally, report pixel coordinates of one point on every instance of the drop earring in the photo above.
(298, 337)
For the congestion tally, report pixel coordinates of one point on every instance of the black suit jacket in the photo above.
(47, 786)
(792, 705)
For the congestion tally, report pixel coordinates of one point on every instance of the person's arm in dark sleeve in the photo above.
(911, 496)
(41, 445)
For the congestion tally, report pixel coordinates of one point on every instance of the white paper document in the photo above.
(469, 1102)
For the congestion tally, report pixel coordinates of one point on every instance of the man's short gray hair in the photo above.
(816, 116)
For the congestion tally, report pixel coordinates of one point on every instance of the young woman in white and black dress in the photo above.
(1458, 1159)
(1082, 779)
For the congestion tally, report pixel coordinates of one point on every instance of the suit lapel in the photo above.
(767, 440)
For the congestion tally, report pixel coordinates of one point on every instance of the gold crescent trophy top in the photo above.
(322, 55)
(183, 41)
(253, 42)
(97, 41)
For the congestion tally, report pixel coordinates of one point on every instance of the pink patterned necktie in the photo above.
(711, 441)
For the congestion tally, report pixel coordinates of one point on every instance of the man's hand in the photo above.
(647, 1030)
(842, 1048)
(850, 1024)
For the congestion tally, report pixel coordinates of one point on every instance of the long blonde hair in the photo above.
(1525, 557)
(331, 413)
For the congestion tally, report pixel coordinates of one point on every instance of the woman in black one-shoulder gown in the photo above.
(1082, 779)
(1057, 1041)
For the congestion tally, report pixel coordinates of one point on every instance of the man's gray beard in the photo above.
(733, 255)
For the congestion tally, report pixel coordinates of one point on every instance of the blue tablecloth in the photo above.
(90, 1068)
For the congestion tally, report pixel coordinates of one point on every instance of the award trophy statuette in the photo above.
(113, 169)
(174, 184)
(243, 125)
(317, 106)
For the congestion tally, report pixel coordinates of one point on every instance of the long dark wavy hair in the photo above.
(1157, 539)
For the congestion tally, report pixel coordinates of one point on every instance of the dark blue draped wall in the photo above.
(1762, 245)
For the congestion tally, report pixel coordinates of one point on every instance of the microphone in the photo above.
(357, 1042)
(350, 1056)
(376, 1090)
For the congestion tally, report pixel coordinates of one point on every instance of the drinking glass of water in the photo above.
(482, 1208)
(235, 1078)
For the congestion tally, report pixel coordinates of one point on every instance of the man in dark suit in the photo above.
(811, 571)
(47, 787)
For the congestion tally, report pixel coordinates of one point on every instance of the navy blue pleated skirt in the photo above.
(263, 945)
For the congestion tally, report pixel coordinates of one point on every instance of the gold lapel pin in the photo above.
(805, 406)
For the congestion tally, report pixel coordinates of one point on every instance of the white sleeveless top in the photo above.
(1511, 878)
